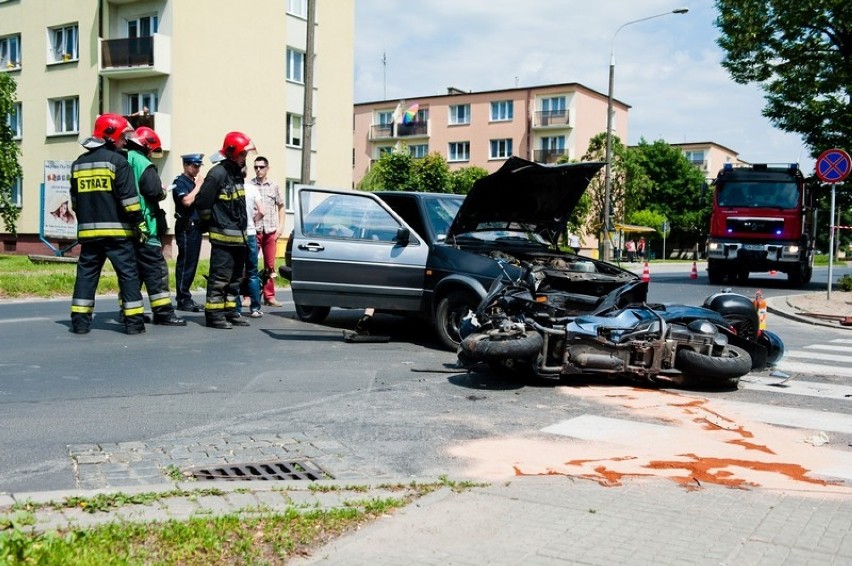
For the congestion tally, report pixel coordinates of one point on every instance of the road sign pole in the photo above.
(831, 244)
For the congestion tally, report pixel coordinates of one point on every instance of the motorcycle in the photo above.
(522, 324)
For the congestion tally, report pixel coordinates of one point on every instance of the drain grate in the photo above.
(263, 471)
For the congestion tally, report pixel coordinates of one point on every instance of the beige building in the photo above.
(191, 69)
(540, 123)
(709, 157)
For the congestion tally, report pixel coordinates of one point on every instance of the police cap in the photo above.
(192, 158)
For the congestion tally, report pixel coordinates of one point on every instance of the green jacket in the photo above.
(138, 164)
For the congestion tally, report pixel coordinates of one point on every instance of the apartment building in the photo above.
(191, 69)
(708, 157)
(540, 123)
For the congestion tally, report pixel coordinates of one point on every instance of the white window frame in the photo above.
(419, 150)
(294, 130)
(58, 40)
(290, 194)
(459, 114)
(151, 20)
(384, 117)
(298, 8)
(556, 105)
(458, 151)
(136, 101)
(65, 113)
(10, 52)
(295, 65)
(15, 121)
(502, 110)
(553, 143)
(500, 148)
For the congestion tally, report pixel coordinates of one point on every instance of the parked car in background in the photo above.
(435, 255)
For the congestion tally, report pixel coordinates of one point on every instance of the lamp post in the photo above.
(607, 247)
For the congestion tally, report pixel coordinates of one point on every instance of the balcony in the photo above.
(549, 155)
(135, 57)
(392, 131)
(552, 118)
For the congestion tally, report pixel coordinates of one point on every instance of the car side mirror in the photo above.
(403, 235)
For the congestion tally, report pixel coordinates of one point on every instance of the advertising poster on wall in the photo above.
(59, 220)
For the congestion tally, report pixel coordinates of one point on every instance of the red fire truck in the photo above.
(763, 220)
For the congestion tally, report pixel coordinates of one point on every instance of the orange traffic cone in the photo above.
(694, 273)
(646, 274)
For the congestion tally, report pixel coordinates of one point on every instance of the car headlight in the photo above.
(713, 246)
(791, 249)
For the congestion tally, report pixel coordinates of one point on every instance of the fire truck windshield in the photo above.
(758, 195)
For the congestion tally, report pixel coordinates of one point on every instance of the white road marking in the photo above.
(830, 348)
(18, 320)
(796, 418)
(817, 356)
(790, 366)
(797, 387)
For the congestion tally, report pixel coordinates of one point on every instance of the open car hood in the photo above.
(539, 196)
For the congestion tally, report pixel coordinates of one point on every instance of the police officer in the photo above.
(221, 205)
(109, 215)
(187, 230)
(153, 268)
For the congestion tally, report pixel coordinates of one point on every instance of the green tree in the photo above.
(800, 51)
(10, 169)
(399, 171)
(649, 218)
(462, 180)
(676, 191)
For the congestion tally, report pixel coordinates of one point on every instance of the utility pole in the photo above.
(308, 111)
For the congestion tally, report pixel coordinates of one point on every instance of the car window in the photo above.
(440, 212)
(345, 216)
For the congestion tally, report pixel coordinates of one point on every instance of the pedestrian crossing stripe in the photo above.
(817, 356)
(847, 349)
(791, 366)
(797, 387)
(807, 419)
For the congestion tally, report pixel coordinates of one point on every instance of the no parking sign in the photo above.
(833, 165)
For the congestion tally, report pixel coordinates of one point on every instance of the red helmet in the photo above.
(235, 143)
(149, 140)
(111, 127)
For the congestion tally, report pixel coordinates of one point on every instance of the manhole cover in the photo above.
(264, 471)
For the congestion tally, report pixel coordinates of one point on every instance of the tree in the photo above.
(800, 52)
(399, 171)
(676, 191)
(10, 169)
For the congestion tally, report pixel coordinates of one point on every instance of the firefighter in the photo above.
(109, 217)
(153, 269)
(221, 205)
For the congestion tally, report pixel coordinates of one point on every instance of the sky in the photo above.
(668, 68)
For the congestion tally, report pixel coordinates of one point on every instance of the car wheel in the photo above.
(312, 314)
(452, 308)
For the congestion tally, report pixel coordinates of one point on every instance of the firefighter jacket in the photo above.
(103, 194)
(221, 204)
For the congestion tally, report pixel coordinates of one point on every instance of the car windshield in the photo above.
(759, 194)
(440, 213)
(505, 232)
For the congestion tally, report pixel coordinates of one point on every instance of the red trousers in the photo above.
(267, 243)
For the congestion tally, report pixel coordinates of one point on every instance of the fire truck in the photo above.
(763, 220)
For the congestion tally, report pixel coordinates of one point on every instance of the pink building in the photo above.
(540, 123)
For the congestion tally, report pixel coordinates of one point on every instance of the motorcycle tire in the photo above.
(719, 370)
(496, 347)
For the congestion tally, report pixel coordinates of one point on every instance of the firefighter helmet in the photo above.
(148, 140)
(111, 127)
(236, 143)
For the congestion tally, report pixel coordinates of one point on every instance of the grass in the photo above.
(252, 536)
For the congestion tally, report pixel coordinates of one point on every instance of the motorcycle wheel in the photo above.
(502, 346)
(723, 371)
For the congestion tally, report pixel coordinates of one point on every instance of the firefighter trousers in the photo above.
(93, 255)
(154, 273)
(223, 282)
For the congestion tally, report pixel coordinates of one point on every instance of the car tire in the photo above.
(452, 308)
(308, 313)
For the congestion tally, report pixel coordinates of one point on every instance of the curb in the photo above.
(782, 307)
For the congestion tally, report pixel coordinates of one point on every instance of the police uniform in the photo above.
(187, 236)
(104, 197)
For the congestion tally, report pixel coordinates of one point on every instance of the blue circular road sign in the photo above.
(833, 165)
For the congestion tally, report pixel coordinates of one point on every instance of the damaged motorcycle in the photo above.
(524, 324)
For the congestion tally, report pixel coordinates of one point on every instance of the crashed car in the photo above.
(435, 255)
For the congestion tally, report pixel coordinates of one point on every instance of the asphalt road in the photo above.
(399, 406)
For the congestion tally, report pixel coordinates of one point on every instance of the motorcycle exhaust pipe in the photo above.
(588, 360)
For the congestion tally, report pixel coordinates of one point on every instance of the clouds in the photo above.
(667, 68)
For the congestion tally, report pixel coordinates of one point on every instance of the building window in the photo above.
(384, 117)
(500, 149)
(383, 150)
(63, 44)
(294, 130)
(141, 103)
(295, 66)
(146, 26)
(289, 194)
(64, 116)
(502, 110)
(553, 143)
(458, 151)
(18, 192)
(555, 105)
(695, 157)
(460, 114)
(15, 121)
(419, 150)
(10, 52)
(298, 8)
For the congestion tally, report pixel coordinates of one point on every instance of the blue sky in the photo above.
(668, 68)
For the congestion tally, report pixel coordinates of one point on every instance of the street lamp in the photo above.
(607, 247)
